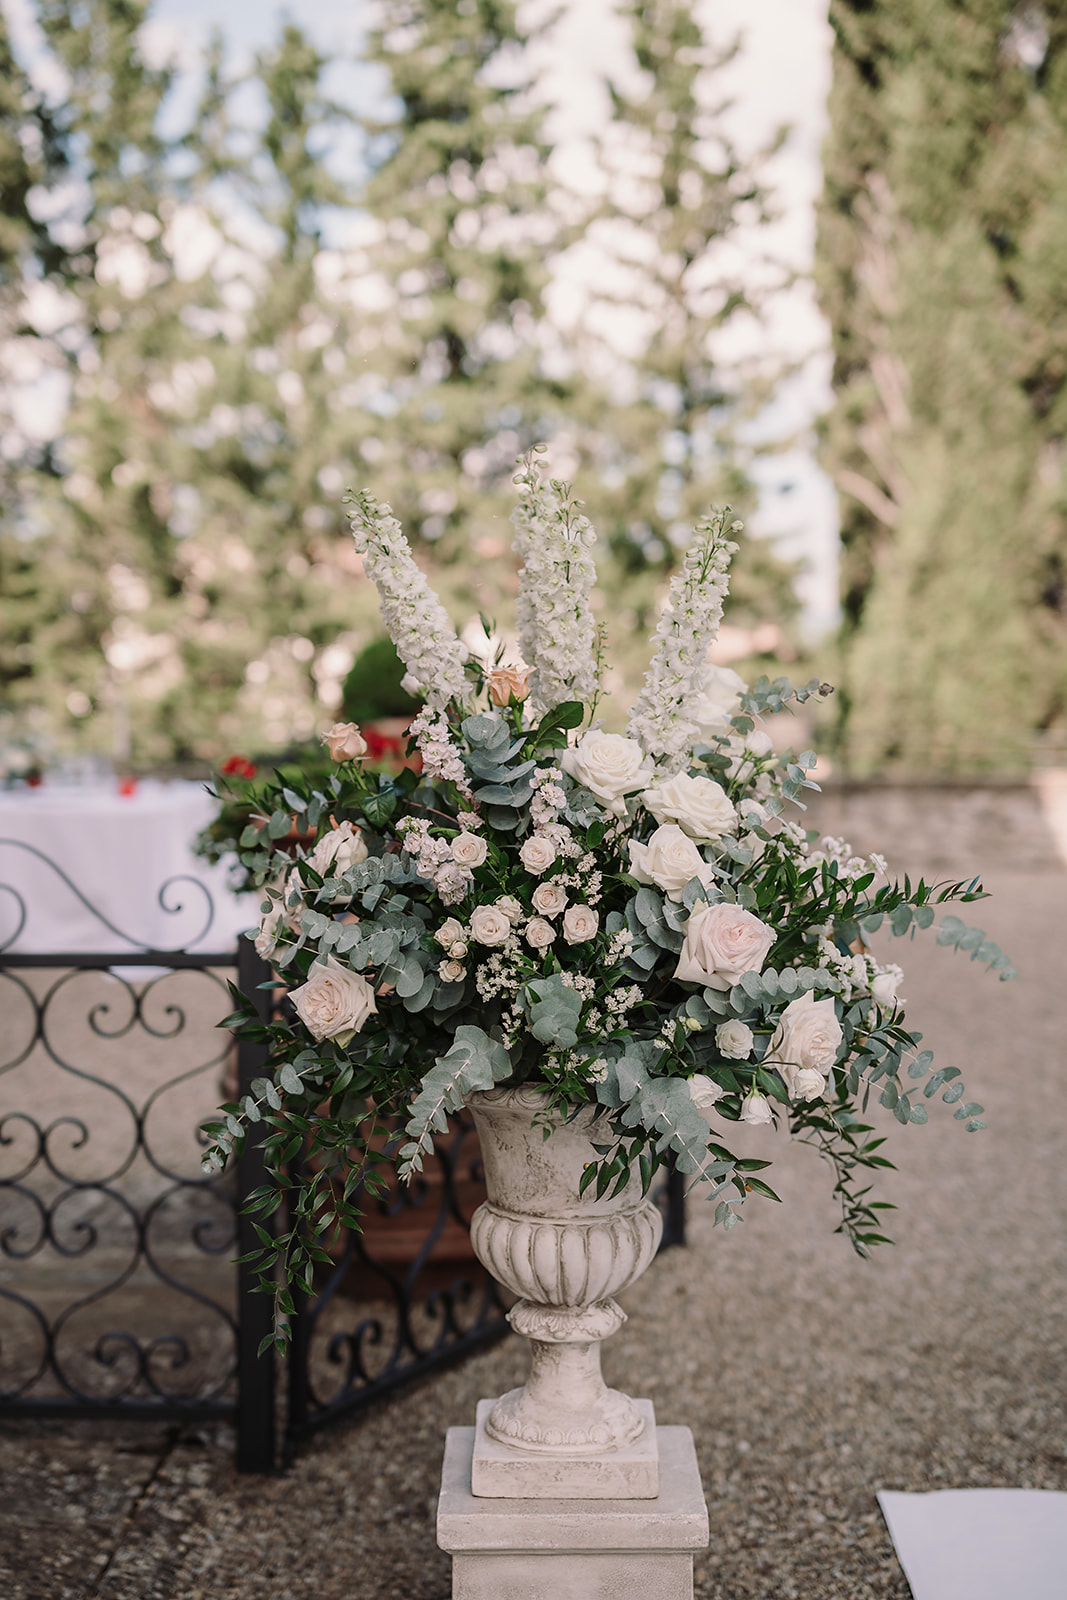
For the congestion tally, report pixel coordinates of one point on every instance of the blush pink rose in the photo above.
(721, 942)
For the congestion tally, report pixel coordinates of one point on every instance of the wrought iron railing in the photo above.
(118, 1291)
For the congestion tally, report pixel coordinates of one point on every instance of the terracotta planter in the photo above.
(567, 1255)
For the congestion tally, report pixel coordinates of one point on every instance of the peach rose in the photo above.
(508, 683)
(345, 742)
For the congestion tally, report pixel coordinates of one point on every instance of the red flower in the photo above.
(238, 767)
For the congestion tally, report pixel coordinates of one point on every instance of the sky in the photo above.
(781, 75)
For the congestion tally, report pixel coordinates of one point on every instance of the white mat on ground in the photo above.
(980, 1544)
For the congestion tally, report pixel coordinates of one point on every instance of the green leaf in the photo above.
(290, 1079)
(555, 1011)
(279, 824)
(475, 1061)
(921, 1065)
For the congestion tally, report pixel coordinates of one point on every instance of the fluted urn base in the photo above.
(565, 1407)
(567, 1255)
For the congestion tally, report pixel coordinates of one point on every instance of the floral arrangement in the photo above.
(638, 920)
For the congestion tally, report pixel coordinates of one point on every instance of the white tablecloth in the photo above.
(119, 851)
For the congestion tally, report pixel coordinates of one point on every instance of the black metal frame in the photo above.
(431, 1326)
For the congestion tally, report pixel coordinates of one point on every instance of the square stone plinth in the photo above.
(503, 1471)
(572, 1549)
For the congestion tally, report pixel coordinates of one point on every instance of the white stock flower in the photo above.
(609, 766)
(449, 932)
(721, 942)
(537, 854)
(539, 933)
(416, 620)
(662, 717)
(704, 1093)
(756, 1108)
(580, 923)
(336, 851)
(557, 634)
(469, 850)
(549, 899)
(806, 1041)
(734, 1040)
(700, 806)
(720, 701)
(489, 925)
(670, 860)
(334, 1003)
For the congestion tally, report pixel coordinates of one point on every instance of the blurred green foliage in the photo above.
(241, 332)
(942, 240)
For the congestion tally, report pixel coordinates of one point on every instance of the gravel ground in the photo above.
(810, 1379)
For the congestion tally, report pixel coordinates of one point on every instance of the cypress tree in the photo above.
(941, 241)
(667, 450)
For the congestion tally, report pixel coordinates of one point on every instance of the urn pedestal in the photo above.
(565, 1487)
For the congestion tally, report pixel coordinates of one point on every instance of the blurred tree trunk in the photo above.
(942, 237)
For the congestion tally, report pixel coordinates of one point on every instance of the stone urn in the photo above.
(566, 1255)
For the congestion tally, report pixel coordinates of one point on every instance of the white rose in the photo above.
(336, 851)
(449, 932)
(537, 854)
(451, 971)
(580, 923)
(807, 1039)
(670, 860)
(510, 907)
(720, 701)
(539, 933)
(699, 806)
(758, 742)
(722, 942)
(808, 1084)
(704, 1092)
(885, 986)
(609, 766)
(459, 949)
(549, 899)
(335, 1002)
(734, 1040)
(489, 925)
(756, 1108)
(469, 850)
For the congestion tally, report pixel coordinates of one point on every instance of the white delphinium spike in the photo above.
(678, 674)
(416, 620)
(557, 633)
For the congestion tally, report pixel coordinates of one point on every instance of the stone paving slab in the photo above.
(811, 1379)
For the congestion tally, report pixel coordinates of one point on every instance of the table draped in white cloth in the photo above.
(94, 870)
